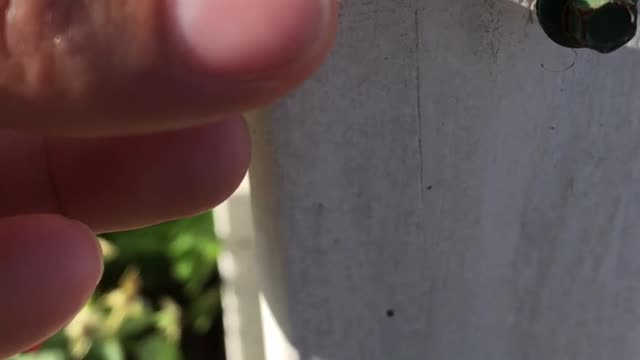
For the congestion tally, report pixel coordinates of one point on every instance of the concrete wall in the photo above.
(442, 189)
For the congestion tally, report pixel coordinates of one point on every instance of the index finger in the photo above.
(125, 66)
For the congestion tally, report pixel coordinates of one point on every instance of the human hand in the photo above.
(125, 134)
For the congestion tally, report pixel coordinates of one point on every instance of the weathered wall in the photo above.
(442, 190)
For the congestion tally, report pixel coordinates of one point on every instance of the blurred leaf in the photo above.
(107, 350)
(211, 250)
(158, 238)
(184, 269)
(187, 248)
(168, 320)
(82, 330)
(132, 327)
(160, 285)
(49, 354)
(109, 251)
(157, 348)
(56, 342)
(204, 309)
(129, 311)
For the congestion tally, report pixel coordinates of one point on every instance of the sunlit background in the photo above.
(159, 299)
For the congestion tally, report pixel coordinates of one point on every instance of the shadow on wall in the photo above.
(439, 190)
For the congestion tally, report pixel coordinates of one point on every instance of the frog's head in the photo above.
(600, 25)
(610, 26)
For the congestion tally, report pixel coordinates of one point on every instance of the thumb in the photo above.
(49, 266)
(254, 39)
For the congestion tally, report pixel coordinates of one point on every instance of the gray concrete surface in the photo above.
(442, 189)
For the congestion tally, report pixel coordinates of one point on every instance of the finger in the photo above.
(124, 182)
(185, 62)
(259, 39)
(49, 266)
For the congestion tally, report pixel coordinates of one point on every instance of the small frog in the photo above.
(600, 25)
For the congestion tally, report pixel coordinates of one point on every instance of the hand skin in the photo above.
(163, 139)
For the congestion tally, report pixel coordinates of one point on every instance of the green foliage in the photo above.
(160, 285)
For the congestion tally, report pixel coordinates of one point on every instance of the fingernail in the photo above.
(251, 39)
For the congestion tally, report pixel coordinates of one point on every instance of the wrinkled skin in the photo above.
(69, 50)
(118, 114)
(85, 64)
